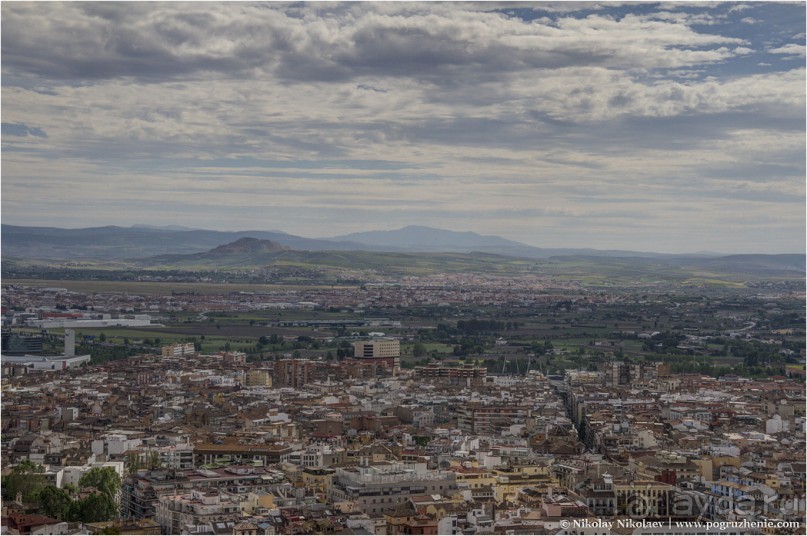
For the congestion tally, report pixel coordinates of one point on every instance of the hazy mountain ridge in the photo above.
(118, 243)
(414, 238)
(147, 247)
(419, 236)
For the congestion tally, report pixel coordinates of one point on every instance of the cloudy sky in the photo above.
(671, 127)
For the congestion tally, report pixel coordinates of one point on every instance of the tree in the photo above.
(154, 461)
(104, 479)
(54, 501)
(27, 479)
(93, 508)
(132, 463)
(100, 505)
(419, 350)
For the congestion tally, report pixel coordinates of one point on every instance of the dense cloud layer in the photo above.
(521, 120)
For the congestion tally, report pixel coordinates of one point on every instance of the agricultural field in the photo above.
(694, 329)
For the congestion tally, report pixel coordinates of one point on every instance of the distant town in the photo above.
(441, 404)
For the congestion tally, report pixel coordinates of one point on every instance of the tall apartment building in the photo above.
(300, 372)
(22, 344)
(621, 373)
(297, 372)
(380, 487)
(377, 348)
(384, 352)
(467, 375)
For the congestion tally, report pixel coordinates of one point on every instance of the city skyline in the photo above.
(669, 127)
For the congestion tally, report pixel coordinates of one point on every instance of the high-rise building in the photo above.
(377, 348)
(385, 352)
(16, 343)
(467, 375)
(297, 372)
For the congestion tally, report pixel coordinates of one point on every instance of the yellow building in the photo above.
(178, 349)
(255, 501)
(257, 378)
(644, 498)
(705, 466)
(318, 479)
(510, 482)
(377, 348)
(475, 478)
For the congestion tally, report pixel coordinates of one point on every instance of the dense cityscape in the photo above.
(403, 268)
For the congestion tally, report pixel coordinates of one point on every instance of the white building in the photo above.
(776, 424)
(180, 514)
(114, 444)
(40, 363)
(378, 488)
(72, 474)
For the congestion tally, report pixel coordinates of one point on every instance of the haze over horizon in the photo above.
(672, 128)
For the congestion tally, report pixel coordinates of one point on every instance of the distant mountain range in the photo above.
(118, 243)
(413, 249)
(418, 238)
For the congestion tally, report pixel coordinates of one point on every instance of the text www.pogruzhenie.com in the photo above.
(707, 526)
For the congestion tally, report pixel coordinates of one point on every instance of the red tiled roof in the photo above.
(25, 522)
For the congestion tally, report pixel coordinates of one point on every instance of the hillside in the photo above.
(118, 243)
(250, 253)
